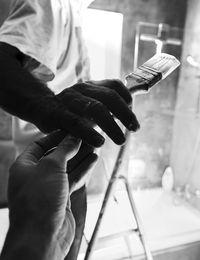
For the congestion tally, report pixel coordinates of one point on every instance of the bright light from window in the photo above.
(193, 62)
(103, 34)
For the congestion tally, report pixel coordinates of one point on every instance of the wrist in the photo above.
(35, 221)
(28, 242)
(42, 111)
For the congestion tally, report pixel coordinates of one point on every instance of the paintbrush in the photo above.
(151, 72)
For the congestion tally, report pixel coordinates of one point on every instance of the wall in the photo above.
(150, 147)
(154, 11)
(186, 135)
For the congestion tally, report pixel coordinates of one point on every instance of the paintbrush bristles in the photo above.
(151, 72)
(163, 63)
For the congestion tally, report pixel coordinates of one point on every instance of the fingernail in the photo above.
(125, 142)
(73, 138)
(134, 126)
(99, 141)
(94, 157)
(121, 140)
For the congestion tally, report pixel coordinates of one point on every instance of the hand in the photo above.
(77, 167)
(75, 110)
(95, 101)
(79, 108)
(39, 190)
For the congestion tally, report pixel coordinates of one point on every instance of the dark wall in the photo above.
(150, 147)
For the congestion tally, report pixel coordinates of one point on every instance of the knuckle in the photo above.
(97, 105)
(74, 122)
(112, 95)
(62, 93)
(79, 86)
(66, 95)
(116, 84)
(69, 146)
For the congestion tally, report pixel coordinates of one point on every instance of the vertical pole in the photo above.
(137, 219)
(108, 193)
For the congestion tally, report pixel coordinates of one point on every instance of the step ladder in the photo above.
(115, 176)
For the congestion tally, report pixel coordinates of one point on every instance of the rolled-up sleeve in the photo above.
(32, 26)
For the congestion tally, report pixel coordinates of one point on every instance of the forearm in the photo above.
(20, 93)
(29, 243)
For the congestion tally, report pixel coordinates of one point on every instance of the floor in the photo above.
(168, 222)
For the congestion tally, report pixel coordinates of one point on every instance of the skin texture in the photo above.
(75, 110)
(44, 227)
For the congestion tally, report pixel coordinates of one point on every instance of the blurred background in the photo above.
(162, 162)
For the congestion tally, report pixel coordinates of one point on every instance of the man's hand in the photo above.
(41, 222)
(76, 110)
(80, 108)
(97, 103)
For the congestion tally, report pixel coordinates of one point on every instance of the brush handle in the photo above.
(141, 84)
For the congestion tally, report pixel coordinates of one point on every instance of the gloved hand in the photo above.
(79, 108)
(76, 110)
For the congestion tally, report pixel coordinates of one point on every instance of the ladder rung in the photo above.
(116, 235)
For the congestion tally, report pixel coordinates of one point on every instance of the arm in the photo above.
(28, 242)
(32, 29)
(21, 94)
(76, 109)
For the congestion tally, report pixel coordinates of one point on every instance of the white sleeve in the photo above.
(34, 27)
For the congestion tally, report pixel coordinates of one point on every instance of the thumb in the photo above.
(36, 150)
(66, 150)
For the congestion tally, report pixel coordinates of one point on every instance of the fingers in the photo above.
(78, 174)
(35, 151)
(80, 128)
(117, 106)
(79, 165)
(66, 150)
(114, 95)
(115, 85)
(100, 114)
(93, 110)
(87, 104)
(83, 152)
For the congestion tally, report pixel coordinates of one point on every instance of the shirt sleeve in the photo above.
(33, 27)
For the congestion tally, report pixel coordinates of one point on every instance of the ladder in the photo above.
(115, 176)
